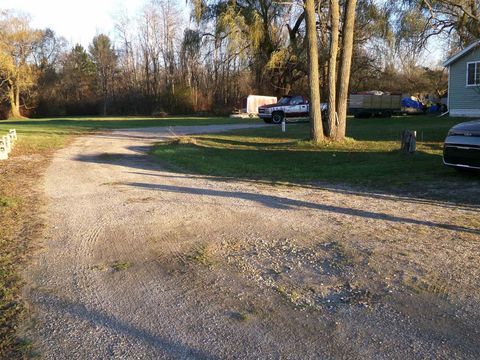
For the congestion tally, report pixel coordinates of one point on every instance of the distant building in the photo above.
(464, 81)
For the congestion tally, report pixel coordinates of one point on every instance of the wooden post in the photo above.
(409, 142)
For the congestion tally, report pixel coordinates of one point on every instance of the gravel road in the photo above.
(143, 263)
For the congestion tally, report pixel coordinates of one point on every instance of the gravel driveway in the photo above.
(143, 263)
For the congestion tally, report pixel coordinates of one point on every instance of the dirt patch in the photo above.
(322, 276)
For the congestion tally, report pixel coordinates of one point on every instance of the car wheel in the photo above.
(277, 117)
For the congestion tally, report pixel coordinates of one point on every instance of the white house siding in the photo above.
(463, 100)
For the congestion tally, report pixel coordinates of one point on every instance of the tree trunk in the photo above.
(345, 67)
(316, 129)
(104, 110)
(105, 95)
(14, 103)
(332, 69)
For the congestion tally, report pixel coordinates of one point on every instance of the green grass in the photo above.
(52, 133)
(7, 202)
(120, 265)
(370, 155)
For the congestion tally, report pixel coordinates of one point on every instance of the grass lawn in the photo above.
(51, 133)
(370, 156)
(20, 199)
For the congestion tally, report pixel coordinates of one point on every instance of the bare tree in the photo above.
(148, 38)
(169, 17)
(48, 48)
(128, 52)
(460, 18)
(190, 61)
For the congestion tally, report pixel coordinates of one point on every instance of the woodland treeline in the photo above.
(159, 62)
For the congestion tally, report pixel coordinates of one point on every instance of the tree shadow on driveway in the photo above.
(140, 161)
(283, 203)
(80, 312)
(335, 188)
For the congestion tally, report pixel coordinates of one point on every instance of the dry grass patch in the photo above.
(120, 265)
(201, 254)
(20, 225)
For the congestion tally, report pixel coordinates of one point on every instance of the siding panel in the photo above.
(461, 96)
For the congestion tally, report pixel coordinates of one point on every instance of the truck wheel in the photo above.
(277, 117)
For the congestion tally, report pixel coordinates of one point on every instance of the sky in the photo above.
(77, 21)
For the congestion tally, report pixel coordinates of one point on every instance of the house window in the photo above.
(473, 73)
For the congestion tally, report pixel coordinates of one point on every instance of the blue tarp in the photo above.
(409, 103)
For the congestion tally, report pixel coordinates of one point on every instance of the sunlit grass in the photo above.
(53, 133)
(369, 156)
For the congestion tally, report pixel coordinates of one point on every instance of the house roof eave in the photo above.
(460, 54)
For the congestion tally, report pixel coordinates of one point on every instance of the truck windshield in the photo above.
(284, 100)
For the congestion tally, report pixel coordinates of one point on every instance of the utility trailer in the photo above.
(251, 103)
(366, 105)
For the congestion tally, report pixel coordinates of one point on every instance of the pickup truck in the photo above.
(288, 108)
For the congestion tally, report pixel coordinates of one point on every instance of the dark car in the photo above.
(462, 146)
